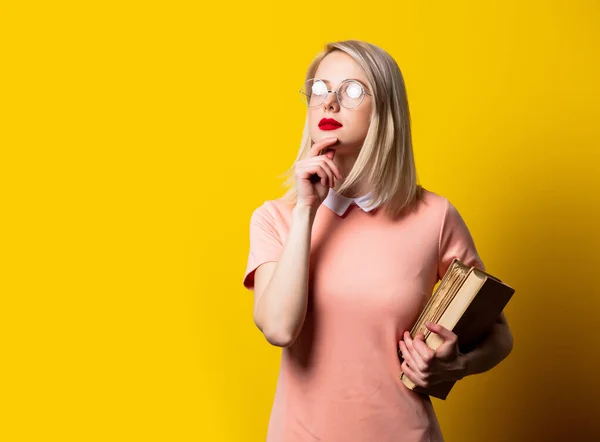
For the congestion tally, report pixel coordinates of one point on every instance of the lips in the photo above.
(329, 124)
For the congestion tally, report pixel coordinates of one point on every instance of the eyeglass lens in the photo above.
(314, 93)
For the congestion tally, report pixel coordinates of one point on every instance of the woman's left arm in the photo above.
(424, 365)
(491, 351)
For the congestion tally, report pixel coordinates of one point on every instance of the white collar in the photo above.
(339, 203)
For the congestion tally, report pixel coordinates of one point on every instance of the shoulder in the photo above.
(437, 211)
(433, 204)
(272, 210)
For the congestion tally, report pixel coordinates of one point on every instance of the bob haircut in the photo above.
(386, 159)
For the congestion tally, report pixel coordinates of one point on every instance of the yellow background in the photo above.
(137, 138)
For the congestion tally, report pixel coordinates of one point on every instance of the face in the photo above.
(333, 69)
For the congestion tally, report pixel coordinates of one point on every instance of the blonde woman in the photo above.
(342, 264)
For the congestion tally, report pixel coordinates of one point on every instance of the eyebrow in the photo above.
(355, 79)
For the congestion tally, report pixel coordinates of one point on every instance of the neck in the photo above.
(345, 161)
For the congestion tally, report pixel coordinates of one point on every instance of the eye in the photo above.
(319, 88)
(354, 90)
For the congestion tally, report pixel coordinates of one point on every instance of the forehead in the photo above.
(337, 67)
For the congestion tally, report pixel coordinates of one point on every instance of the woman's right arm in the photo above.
(281, 288)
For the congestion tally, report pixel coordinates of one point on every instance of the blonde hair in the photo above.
(386, 158)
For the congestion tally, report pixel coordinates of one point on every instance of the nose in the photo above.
(331, 102)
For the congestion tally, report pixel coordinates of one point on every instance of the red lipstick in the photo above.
(329, 124)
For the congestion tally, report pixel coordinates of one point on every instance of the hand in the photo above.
(425, 366)
(313, 193)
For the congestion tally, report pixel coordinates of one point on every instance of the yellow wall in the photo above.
(137, 138)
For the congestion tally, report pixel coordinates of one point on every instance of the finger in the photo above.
(446, 334)
(406, 354)
(328, 166)
(411, 374)
(328, 171)
(423, 350)
(407, 339)
(332, 165)
(320, 145)
(419, 362)
(314, 169)
(326, 182)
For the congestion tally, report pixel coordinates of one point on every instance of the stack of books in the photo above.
(467, 301)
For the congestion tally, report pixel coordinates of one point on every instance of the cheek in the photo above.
(313, 130)
(361, 123)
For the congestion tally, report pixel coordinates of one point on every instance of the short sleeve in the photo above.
(456, 242)
(265, 242)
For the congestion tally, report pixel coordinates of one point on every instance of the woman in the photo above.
(343, 263)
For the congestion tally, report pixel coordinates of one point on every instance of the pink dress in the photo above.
(369, 278)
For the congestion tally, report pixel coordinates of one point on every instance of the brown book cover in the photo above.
(469, 308)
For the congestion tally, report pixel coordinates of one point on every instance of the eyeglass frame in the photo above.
(336, 93)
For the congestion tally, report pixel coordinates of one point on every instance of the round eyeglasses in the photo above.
(349, 94)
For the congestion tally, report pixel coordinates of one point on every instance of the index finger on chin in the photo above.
(320, 145)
